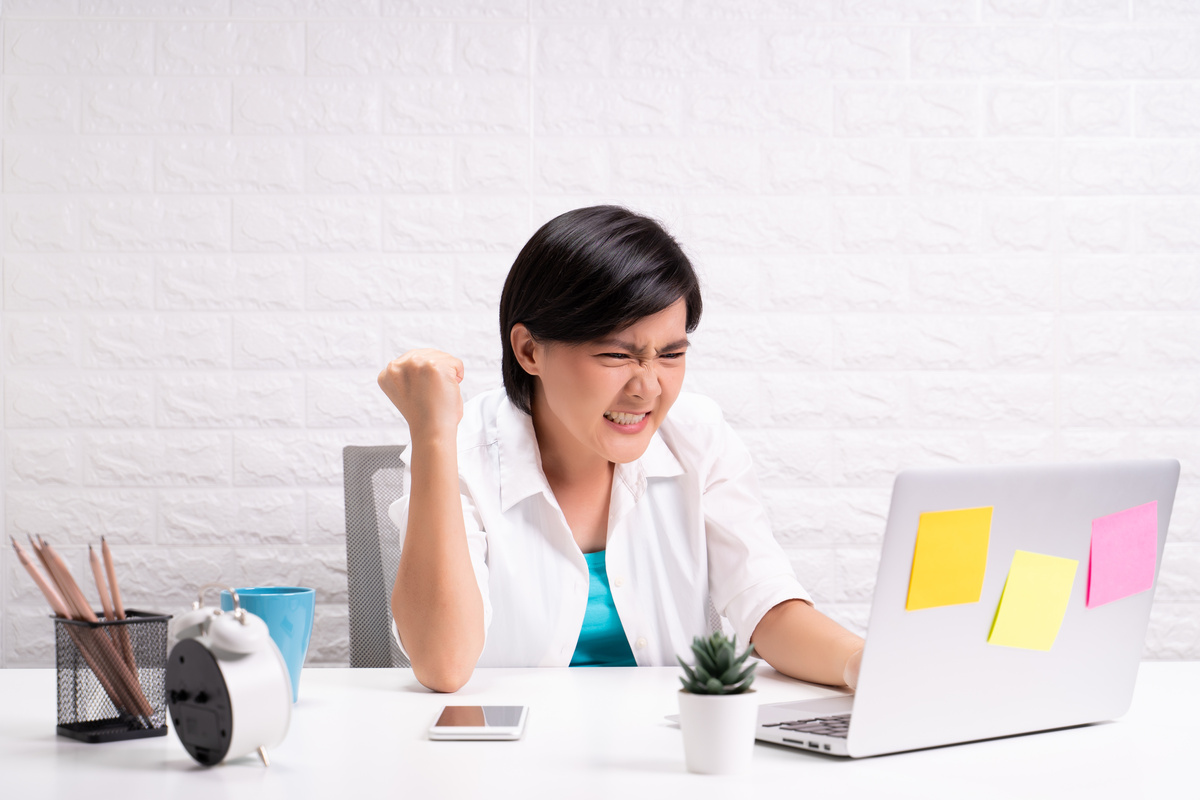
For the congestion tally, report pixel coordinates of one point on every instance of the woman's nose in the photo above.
(644, 383)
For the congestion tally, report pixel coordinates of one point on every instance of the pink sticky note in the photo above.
(1124, 547)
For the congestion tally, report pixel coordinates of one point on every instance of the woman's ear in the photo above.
(527, 349)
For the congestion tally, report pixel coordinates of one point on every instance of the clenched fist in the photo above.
(424, 385)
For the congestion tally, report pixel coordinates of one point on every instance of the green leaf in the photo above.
(724, 661)
(704, 651)
(742, 687)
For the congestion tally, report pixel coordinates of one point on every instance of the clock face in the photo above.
(198, 702)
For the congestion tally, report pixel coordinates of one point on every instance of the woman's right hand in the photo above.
(436, 600)
(424, 385)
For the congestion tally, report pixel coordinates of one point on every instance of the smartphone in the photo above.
(484, 723)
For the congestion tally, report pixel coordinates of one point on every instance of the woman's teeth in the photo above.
(624, 419)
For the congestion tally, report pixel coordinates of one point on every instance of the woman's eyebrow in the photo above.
(621, 344)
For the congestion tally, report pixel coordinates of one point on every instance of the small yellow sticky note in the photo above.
(1034, 601)
(950, 558)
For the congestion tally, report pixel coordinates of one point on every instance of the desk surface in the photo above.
(592, 733)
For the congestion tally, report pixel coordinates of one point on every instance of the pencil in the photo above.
(60, 609)
(113, 586)
(105, 603)
(37, 549)
(61, 575)
(79, 610)
(101, 584)
(120, 672)
(51, 594)
(118, 606)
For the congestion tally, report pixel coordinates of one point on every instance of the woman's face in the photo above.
(607, 397)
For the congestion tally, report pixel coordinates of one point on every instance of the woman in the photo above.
(588, 513)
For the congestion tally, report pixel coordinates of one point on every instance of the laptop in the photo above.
(1062, 559)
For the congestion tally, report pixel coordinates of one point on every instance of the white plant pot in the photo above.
(718, 731)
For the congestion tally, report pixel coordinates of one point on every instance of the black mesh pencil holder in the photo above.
(112, 677)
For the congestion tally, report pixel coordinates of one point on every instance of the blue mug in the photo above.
(288, 612)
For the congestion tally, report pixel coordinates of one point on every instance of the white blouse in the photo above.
(686, 525)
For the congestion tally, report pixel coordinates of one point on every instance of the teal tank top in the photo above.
(602, 641)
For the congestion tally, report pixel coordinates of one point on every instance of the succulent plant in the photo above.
(718, 669)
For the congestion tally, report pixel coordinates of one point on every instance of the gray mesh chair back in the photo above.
(373, 477)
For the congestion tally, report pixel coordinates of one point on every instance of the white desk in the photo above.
(593, 733)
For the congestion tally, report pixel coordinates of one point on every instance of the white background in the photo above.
(931, 232)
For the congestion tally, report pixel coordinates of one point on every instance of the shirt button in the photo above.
(640, 644)
(618, 582)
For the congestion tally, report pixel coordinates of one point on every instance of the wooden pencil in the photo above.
(57, 567)
(82, 644)
(101, 584)
(113, 586)
(94, 649)
(114, 632)
(118, 606)
(51, 594)
(124, 678)
(37, 549)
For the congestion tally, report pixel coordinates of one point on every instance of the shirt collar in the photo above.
(658, 461)
(521, 474)
(630, 480)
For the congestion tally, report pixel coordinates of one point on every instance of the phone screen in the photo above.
(480, 717)
(495, 723)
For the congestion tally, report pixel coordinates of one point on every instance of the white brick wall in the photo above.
(931, 232)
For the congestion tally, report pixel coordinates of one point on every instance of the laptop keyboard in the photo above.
(835, 726)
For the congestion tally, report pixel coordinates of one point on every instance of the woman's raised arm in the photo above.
(435, 600)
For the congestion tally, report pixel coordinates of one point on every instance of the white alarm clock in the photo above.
(228, 688)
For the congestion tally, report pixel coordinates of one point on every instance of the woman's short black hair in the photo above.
(585, 274)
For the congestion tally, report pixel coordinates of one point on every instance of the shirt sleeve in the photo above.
(748, 572)
(476, 546)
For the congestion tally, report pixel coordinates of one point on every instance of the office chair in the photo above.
(373, 477)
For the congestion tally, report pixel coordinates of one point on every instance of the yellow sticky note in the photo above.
(950, 558)
(1034, 601)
